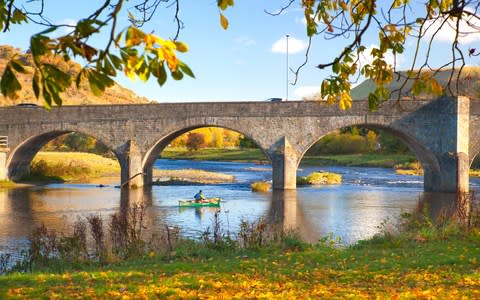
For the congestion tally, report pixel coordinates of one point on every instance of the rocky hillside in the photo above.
(73, 96)
(469, 85)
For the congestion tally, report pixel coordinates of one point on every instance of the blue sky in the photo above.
(245, 62)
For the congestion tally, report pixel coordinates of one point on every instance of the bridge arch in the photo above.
(426, 157)
(22, 154)
(162, 141)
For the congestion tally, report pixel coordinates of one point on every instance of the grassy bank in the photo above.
(71, 166)
(214, 154)
(191, 176)
(360, 160)
(379, 269)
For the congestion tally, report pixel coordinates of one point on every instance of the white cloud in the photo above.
(69, 22)
(468, 30)
(245, 41)
(294, 45)
(306, 91)
(300, 20)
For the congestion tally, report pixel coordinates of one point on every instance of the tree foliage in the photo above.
(394, 21)
(195, 141)
(214, 137)
(145, 55)
(130, 50)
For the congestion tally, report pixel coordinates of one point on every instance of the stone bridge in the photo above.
(440, 133)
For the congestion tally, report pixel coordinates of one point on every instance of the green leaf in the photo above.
(108, 67)
(117, 62)
(177, 75)
(36, 84)
(47, 97)
(161, 74)
(9, 84)
(18, 66)
(19, 17)
(336, 67)
(62, 79)
(185, 69)
(85, 27)
(373, 102)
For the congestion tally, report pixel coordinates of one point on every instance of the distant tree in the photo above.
(195, 141)
(391, 144)
(245, 142)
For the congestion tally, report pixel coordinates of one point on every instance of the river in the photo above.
(351, 211)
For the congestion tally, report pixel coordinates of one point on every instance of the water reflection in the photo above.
(286, 209)
(445, 206)
(351, 211)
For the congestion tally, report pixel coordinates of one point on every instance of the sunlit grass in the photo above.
(260, 186)
(192, 175)
(359, 160)
(320, 178)
(215, 154)
(431, 270)
(6, 184)
(71, 166)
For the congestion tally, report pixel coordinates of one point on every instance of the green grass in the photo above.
(359, 160)
(214, 154)
(381, 268)
(256, 155)
(71, 166)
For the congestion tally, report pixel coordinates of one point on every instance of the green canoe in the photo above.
(207, 202)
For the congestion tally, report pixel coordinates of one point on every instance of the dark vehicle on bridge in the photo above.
(274, 99)
(26, 105)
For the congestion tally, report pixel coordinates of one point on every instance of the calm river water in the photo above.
(351, 211)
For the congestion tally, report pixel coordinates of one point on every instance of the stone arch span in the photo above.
(426, 157)
(163, 141)
(22, 154)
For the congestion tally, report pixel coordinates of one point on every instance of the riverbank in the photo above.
(71, 166)
(50, 167)
(379, 160)
(190, 176)
(383, 268)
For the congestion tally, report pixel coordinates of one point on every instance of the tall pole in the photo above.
(286, 75)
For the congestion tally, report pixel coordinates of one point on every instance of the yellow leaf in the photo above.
(223, 21)
(345, 101)
(331, 99)
(437, 89)
(181, 47)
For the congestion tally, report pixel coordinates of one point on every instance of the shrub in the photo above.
(413, 168)
(261, 186)
(195, 141)
(320, 178)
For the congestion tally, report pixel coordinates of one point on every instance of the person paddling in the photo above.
(199, 197)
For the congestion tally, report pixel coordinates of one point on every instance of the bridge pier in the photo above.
(284, 165)
(3, 163)
(130, 159)
(452, 177)
(443, 128)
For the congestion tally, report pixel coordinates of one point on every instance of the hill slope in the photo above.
(72, 96)
(469, 85)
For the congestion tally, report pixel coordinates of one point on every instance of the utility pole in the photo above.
(286, 75)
